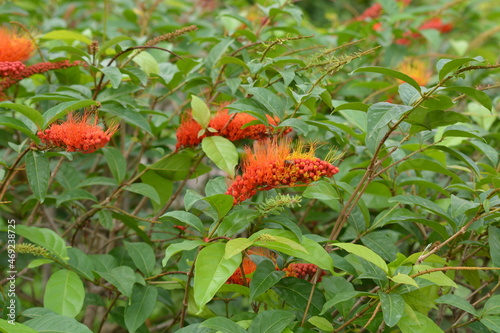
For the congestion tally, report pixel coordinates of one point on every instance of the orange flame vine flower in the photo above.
(226, 125)
(77, 134)
(272, 163)
(15, 47)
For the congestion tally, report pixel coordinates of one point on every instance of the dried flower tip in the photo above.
(77, 135)
(15, 47)
(94, 47)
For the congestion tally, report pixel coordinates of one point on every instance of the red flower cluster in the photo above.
(14, 47)
(375, 11)
(226, 125)
(272, 163)
(11, 68)
(77, 134)
(434, 23)
(303, 271)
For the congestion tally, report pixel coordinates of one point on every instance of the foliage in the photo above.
(245, 225)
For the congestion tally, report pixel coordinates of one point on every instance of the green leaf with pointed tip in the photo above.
(492, 322)
(212, 271)
(145, 190)
(74, 195)
(18, 125)
(446, 66)
(404, 279)
(477, 95)
(34, 115)
(221, 202)
(64, 293)
(264, 277)
(141, 306)
(222, 324)
(122, 277)
(365, 253)
(64, 108)
(390, 72)
(415, 322)
(67, 35)
(222, 152)
(55, 323)
(186, 245)
(235, 246)
(458, 302)
(296, 293)
(113, 74)
(7, 327)
(111, 42)
(272, 103)
(393, 306)
(188, 218)
(116, 162)
(46, 238)
(143, 256)
(38, 172)
(271, 321)
(201, 112)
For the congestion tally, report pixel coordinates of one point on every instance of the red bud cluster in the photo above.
(11, 68)
(302, 271)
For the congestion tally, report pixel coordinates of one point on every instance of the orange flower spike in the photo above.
(77, 134)
(271, 163)
(14, 47)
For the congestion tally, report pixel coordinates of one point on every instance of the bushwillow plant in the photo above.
(199, 168)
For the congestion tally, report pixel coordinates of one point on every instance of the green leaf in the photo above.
(426, 164)
(222, 324)
(222, 152)
(221, 202)
(321, 190)
(212, 271)
(141, 306)
(145, 190)
(113, 74)
(7, 327)
(74, 195)
(477, 95)
(409, 95)
(143, 256)
(235, 246)
(122, 277)
(379, 116)
(424, 203)
(446, 66)
(131, 116)
(458, 302)
(176, 167)
(38, 172)
(269, 100)
(54, 323)
(146, 62)
(404, 279)
(321, 323)
(217, 52)
(415, 322)
(296, 293)
(264, 277)
(339, 298)
(64, 293)
(18, 125)
(390, 72)
(30, 113)
(80, 263)
(271, 321)
(188, 218)
(116, 162)
(393, 306)
(186, 245)
(492, 306)
(438, 278)
(46, 238)
(66, 34)
(201, 112)
(492, 322)
(381, 243)
(494, 241)
(365, 253)
(64, 108)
